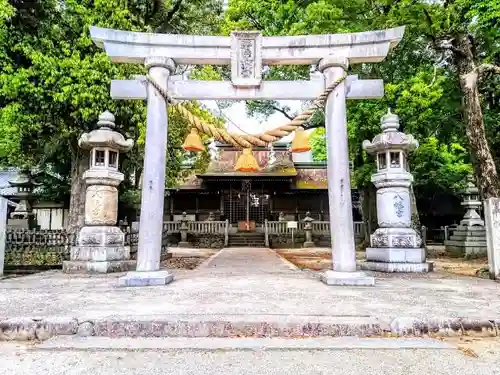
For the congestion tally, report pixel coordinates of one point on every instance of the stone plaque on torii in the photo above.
(246, 53)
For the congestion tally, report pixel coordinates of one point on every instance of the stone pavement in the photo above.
(245, 292)
(246, 261)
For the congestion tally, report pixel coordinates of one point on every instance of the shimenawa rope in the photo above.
(246, 140)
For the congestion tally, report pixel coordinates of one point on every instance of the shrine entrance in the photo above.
(247, 53)
(246, 205)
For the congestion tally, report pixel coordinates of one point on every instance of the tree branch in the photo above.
(281, 110)
(443, 44)
(308, 125)
(172, 11)
(476, 74)
(254, 21)
(488, 68)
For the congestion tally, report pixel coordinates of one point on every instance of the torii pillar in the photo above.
(339, 182)
(246, 53)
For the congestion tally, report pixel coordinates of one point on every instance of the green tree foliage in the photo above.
(421, 76)
(438, 167)
(318, 144)
(54, 81)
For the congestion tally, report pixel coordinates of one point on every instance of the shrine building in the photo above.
(285, 187)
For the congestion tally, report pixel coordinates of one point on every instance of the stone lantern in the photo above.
(395, 245)
(469, 239)
(471, 203)
(308, 230)
(100, 246)
(22, 217)
(183, 228)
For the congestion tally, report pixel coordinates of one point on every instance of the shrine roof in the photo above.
(311, 178)
(303, 179)
(301, 175)
(279, 165)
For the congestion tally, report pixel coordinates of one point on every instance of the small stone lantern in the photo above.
(22, 217)
(469, 238)
(308, 230)
(184, 231)
(100, 247)
(395, 245)
(471, 203)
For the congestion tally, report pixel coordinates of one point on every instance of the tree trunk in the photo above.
(79, 164)
(368, 200)
(415, 218)
(482, 160)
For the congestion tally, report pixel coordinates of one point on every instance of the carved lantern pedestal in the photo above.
(100, 246)
(395, 246)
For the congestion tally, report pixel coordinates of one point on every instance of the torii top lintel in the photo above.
(245, 51)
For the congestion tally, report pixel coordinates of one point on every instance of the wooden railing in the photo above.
(200, 227)
(319, 227)
(171, 226)
(277, 227)
(270, 227)
(207, 227)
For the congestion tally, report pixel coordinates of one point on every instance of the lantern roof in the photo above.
(105, 135)
(390, 138)
(22, 178)
(471, 188)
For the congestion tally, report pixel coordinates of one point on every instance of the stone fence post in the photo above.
(3, 231)
(492, 223)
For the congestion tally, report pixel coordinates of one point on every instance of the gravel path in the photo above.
(18, 360)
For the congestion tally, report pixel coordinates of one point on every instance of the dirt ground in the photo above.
(187, 258)
(475, 346)
(184, 263)
(318, 259)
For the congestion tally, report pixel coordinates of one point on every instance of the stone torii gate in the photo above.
(246, 53)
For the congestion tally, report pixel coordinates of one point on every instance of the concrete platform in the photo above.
(156, 278)
(247, 292)
(347, 278)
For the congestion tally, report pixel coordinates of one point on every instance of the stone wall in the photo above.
(132, 240)
(202, 241)
(49, 248)
(283, 241)
(206, 241)
(37, 247)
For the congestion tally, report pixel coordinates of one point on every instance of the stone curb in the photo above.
(26, 329)
(409, 326)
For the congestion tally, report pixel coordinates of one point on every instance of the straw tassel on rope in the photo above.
(300, 141)
(193, 141)
(246, 162)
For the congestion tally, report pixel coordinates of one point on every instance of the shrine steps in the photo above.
(244, 239)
